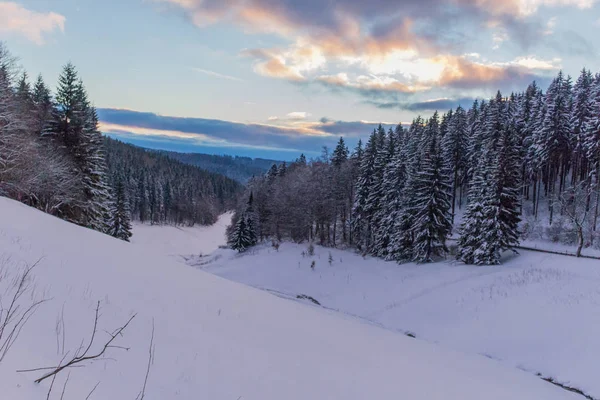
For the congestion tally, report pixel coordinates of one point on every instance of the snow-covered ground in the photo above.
(180, 240)
(537, 312)
(214, 339)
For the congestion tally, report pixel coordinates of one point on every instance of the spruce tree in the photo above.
(491, 222)
(240, 238)
(120, 223)
(340, 154)
(454, 146)
(432, 200)
(361, 211)
(377, 196)
(401, 243)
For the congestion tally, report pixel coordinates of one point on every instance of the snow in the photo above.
(181, 240)
(536, 312)
(214, 339)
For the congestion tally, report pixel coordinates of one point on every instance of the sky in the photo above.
(275, 78)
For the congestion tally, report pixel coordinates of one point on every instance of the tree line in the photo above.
(54, 158)
(161, 190)
(506, 168)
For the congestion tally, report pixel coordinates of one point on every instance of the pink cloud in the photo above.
(14, 18)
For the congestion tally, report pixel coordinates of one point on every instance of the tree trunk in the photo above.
(580, 237)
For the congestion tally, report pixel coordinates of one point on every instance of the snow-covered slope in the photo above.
(537, 312)
(180, 240)
(214, 339)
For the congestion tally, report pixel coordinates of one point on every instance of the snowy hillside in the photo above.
(213, 339)
(536, 312)
(180, 240)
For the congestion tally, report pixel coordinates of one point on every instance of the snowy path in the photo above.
(538, 312)
(181, 241)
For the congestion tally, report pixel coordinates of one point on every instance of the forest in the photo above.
(235, 167)
(162, 190)
(526, 166)
(53, 157)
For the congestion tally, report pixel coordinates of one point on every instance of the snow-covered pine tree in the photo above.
(580, 113)
(394, 180)
(378, 195)
(432, 199)
(94, 171)
(470, 240)
(76, 128)
(361, 217)
(240, 238)
(272, 173)
(252, 222)
(491, 222)
(554, 138)
(340, 154)
(282, 169)
(120, 222)
(355, 162)
(454, 146)
(591, 133)
(24, 100)
(44, 107)
(401, 242)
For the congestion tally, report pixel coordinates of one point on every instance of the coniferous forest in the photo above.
(53, 157)
(162, 190)
(523, 166)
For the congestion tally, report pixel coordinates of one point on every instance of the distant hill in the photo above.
(238, 168)
(163, 190)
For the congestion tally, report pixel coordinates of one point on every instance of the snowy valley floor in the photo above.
(218, 340)
(537, 312)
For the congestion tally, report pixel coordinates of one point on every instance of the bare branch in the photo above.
(93, 390)
(84, 356)
(142, 393)
(62, 395)
(16, 316)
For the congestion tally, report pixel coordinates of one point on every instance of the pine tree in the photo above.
(340, 154)
(401, 243)
(454, 145)
(120, 223)
(76, 124)
(591, 139)
(241, 238)
(361, 211)
(470, 238)
(252, 222)
(394, 180)
(432, 202)
(93, 167)
(554, 137)
(581, 112)
(377, 194)
(44, 107)
(491, 222)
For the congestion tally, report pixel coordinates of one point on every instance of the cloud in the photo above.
(274, 65)
(216, 74)
(272, 118)
(14, 18)
(550, 26)
(300, 136)
(368, 85)
(298, 115)
(442, 104)
(389, 49)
